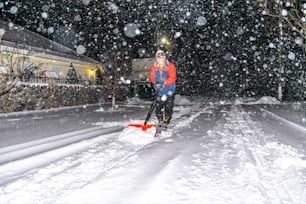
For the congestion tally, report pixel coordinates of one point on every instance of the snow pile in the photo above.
(134, 100)
(239, 101)
(286, 162)
(100, 110)
(179, 100)
(182, 100)
(130, 102)
(267, 100)
(137, 136)
(110, 110)
(262, 100)
(110, 124)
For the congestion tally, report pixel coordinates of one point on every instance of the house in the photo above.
(34, 56)
(141, 68)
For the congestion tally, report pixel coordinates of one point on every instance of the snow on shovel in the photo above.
(146, 126)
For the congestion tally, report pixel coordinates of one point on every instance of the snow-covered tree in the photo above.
(72, 76)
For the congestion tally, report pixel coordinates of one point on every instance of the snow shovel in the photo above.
(146, 126)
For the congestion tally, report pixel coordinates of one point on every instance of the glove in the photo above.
(159, 86)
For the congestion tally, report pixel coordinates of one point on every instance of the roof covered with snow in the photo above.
(13, 35)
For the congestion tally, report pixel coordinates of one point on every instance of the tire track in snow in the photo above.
(255, 158)
(288, 122)
(20, 151)
(248, 137)
(170, 172)
(48, 184)
(157, 169)
(171, 177)
(98, 155)
(185, 118)
(141, 179)
(241, 167)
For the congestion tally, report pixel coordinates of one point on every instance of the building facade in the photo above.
(36, 58)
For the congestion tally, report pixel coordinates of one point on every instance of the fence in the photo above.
(62, 81)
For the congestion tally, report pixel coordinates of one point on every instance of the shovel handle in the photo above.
(150, 111)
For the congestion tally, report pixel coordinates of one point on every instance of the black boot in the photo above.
(167, 120)
(160, 119)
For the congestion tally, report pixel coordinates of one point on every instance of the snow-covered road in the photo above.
(219, 153)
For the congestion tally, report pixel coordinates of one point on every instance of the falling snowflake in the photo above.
(113, 7)
(2, 31)
(44, 15)
(131, 30)
(13, 10)
(284, 12)
(163, 98)
(298, 41)
(86, 2)
(81, 49)
(291, 56)
(50, 30)
(271, 45)
(201, 21)
(77, 18)
(177, 34)
(239, 31)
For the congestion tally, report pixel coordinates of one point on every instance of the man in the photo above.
(163, 78)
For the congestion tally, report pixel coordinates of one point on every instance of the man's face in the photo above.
(161, 60)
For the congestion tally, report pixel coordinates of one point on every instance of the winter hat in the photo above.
(160, 53)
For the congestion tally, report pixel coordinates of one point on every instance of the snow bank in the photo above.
(137, 136)
(134, 100)
(262, 100)
(182, 100)
(110, 110)
(239, 101)
(267, 100)
(179, 100)
(100, 110)
(110, 124)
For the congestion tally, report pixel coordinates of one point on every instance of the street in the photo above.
(212, 152)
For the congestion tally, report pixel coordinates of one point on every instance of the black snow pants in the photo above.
(164, 108)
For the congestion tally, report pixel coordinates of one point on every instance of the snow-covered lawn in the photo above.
(218, 152)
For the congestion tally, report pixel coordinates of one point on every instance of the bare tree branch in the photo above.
(6, 85)
(292, 14)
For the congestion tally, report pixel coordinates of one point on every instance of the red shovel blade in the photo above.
(143, 127)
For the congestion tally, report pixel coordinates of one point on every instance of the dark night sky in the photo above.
(224, 48)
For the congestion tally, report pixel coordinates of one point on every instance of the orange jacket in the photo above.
(166, 75)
